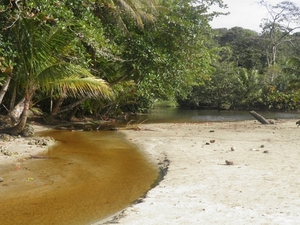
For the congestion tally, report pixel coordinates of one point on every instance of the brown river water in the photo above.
(89, 176)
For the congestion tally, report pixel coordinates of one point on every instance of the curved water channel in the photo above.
(89, 176)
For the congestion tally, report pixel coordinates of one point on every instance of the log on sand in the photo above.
(259, 117)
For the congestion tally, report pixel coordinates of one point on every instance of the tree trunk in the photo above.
(72, 114)
(16, 113)
(13, 98)
(274, 50)
(51, 101)
(49, 119)
(260, 118)
(5, 86)
(15, 130)
(23, 119)
(72, 105)
(58, 103)
(57, 106)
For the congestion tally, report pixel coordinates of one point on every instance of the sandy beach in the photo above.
(261, 187)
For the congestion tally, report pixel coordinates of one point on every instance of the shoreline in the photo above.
(260, 187)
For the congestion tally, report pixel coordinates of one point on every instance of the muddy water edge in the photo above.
(88, 176)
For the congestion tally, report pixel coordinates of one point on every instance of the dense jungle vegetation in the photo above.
(102, 58)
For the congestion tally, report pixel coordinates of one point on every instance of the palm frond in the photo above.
(39, 46)
(42, 65)
(59, 70)
(140, 11)
(82, 87)
(76, 80)
(293, 66)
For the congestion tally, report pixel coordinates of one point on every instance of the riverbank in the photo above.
(261, 187)
(14, 150)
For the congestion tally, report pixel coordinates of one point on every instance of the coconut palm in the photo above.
(141, 11)
(44, 64)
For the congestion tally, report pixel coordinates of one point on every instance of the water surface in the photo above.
(89, 176)
(178, 115)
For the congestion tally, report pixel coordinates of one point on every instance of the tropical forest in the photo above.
(105, 58)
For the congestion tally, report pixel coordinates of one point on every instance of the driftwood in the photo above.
(259, 117)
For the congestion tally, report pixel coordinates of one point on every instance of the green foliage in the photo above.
(144, 52)
(228, 87)
(168, 103)
(286, 95)
(249, 63)
(167, 58)
(245, 45)
(289, 101)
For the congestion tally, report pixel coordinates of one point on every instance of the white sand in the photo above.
(199, 188)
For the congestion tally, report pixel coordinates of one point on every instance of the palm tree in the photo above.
(141, 11)
(293, 70)
(43, 64)
(293, 66)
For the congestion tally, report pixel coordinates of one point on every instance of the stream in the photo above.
(88, 176)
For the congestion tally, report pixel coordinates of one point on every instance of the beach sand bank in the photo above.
(261, 187)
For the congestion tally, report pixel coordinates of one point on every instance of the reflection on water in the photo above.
(89, 176)
(170, 115)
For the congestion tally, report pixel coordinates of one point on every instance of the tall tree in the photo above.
(167, 58)
(245, 45)
(284, 19)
